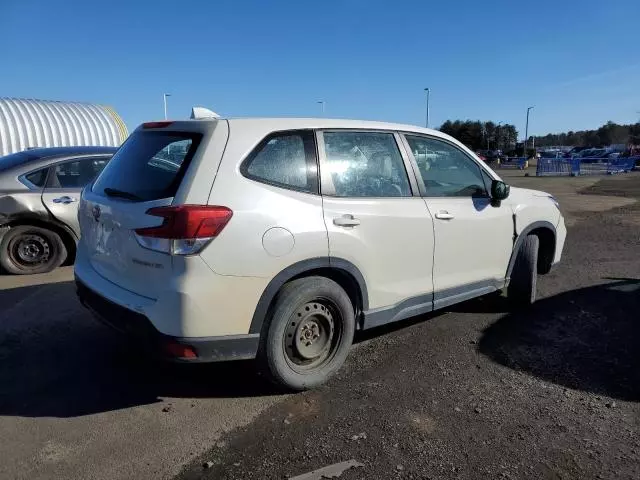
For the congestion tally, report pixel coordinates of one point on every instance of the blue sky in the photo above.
(577, 61)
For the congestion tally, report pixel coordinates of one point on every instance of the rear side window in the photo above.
(285, 159)
(149, 165)
(76, 173)
(38, 177)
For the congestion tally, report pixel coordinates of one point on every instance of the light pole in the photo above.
(428, 90)
(499, 136)
(164, 97)
(322, 103)
(526, 133)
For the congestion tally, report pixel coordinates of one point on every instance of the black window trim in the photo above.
(311, 159)
(414, 163)
(328, 189)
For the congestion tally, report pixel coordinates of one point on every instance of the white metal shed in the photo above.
(28, 123)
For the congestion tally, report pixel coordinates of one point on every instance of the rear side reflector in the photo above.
(177, 350)
(186, 229)
(148, 125)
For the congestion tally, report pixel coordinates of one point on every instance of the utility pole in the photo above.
(164, 97)
(526, 133)
(428, 90)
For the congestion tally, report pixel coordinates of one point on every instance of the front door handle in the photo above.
(65, 200)
(346, 221)
(444, 215)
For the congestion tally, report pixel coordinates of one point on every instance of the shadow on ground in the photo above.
(62, 363)
(57, 361)
(585, 339)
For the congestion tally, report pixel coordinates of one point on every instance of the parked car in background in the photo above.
(575, 151)
(550, 154)
(593, 153)
(39, 193)
(278, 238)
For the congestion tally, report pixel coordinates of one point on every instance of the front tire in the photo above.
(522, 288)
(308, 334)
(26, 250)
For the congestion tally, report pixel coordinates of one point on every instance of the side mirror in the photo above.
(499, 190)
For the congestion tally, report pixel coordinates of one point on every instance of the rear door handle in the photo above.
(65, 199)
(444, 215)
(346, 221)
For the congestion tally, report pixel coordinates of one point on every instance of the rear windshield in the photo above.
(149, 165)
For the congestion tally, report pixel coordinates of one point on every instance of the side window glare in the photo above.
(287, 160)
(445, 169)
(365, 164)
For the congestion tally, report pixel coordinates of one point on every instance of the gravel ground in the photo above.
(478, 392)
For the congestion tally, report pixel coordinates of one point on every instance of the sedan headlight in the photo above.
(555, 202)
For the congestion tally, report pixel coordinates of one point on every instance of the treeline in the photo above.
(479, 135)
(608, 134)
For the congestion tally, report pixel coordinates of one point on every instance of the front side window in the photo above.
(446, 170)
(285, 159)
(76, 173)
(365, 164)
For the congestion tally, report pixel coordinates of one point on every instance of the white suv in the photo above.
(220, 239)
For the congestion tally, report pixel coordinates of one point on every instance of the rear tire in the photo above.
(524, 277)
(307, 336)
(26, 250)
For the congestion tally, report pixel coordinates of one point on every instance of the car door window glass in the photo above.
(287, 160)
(365, 164)
(446, 170)
(38, 177)
(76, 173)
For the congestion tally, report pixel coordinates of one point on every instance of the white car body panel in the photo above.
(258, 208)
(474, 245)
(531, 206)
(396, 264)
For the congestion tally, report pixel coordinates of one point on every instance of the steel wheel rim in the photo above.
(30, 250)
(312, 335)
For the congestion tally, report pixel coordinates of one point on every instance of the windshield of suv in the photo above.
(149, 166)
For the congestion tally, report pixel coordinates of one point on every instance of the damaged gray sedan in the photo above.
(39, 192)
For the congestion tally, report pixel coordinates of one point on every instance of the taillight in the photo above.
(164, 124)
(186, 229)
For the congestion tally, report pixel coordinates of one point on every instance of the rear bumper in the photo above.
(139, 328)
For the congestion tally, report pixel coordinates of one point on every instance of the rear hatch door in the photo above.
(146, 172)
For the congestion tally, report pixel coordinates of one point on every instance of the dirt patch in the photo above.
(578, 195)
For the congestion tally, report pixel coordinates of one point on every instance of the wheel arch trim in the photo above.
(520, 238)
(297, 269)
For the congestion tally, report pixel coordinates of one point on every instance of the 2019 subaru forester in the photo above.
(216, 239)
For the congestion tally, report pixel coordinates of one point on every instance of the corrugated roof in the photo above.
(28, 123)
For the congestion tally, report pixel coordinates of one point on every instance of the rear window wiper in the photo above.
(114, 192)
